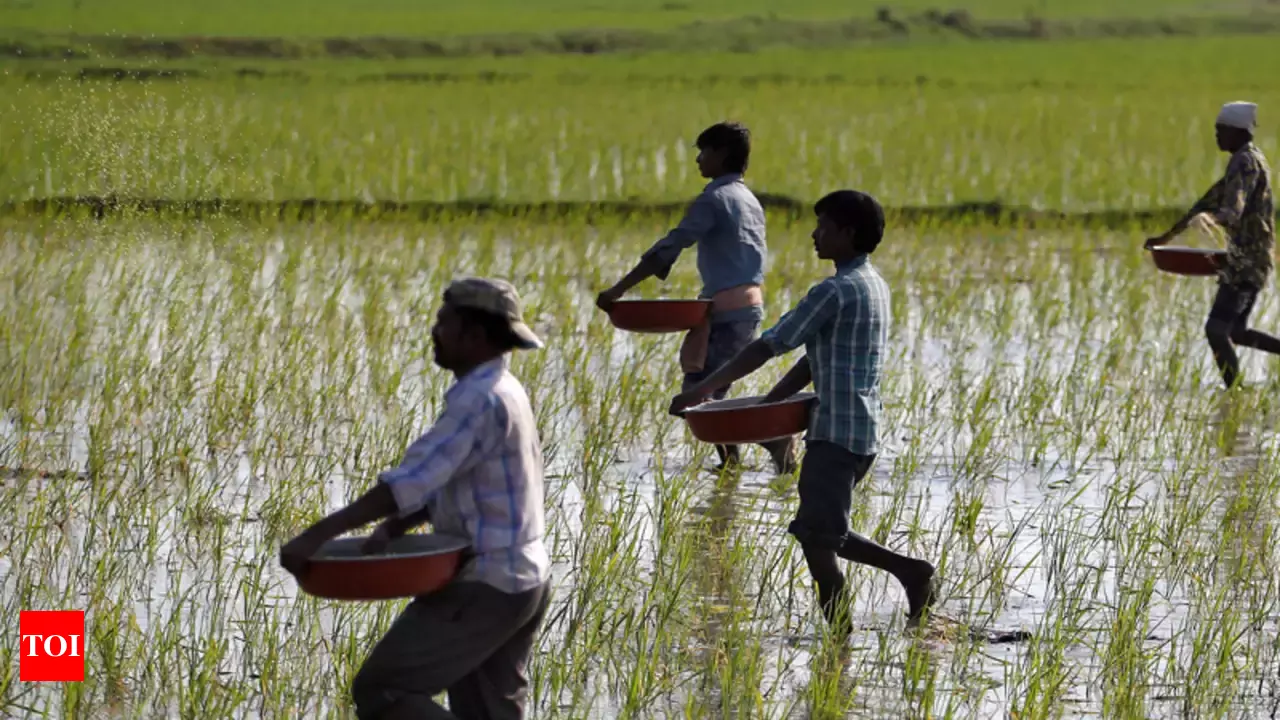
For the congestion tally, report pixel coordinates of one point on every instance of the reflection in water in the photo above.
(1231, 424)
(734, 645)
(830, 691)
(1240, 422)
(715, 573)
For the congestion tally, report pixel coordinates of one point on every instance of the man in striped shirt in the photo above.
(476, 474)
(843, 322)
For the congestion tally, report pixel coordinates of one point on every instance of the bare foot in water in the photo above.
(921, 590)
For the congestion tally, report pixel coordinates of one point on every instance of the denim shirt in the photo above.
(727, 224)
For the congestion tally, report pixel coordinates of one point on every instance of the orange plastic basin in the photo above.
(747, 420)
(659, 316)
(411, 565)
(1187, 261)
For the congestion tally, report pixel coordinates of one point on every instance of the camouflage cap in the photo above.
(498, 297)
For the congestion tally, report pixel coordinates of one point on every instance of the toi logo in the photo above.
(51, 646)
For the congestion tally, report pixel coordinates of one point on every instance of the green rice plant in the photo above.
(179, 395)
(601, 130)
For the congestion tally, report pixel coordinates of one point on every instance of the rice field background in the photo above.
(1051, 127)
(182, 392)
(436, 17)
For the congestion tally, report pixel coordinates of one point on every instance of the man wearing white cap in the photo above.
(1242, 202)
(476, 474)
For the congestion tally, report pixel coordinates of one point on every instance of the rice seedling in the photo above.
(923, 126)
(180, 397)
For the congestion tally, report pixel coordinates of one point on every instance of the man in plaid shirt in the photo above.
(843, 322)
(475, 474)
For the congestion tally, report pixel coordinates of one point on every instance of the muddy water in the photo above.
(1025, 505)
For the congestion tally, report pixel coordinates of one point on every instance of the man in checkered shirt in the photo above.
(843, 323)
(476, 474)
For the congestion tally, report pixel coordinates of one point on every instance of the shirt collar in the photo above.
(724, 180)
(480, 372)
(855, 263)
(1246, 148)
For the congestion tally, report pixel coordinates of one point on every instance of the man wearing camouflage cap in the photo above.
(476, 474)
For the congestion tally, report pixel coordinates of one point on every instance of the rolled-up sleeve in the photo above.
(1241, 178)
(698, 221)
(803, 322)
(448, 448)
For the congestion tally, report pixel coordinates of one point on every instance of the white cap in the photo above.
(1243, 115)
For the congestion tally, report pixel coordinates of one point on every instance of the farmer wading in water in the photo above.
(477, 475)
(843, 322)
(1242, 203)
(727, 224)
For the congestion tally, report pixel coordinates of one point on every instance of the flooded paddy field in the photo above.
(180, 398)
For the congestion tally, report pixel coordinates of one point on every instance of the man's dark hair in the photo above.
(496, 328)
(731, 136)
(858, 211)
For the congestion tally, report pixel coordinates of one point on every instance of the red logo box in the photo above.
(51, 646)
